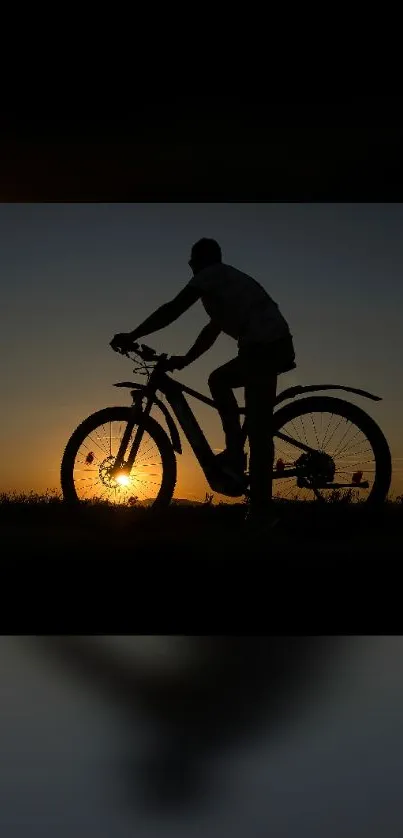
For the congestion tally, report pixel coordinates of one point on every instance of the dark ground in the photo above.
(34, 521)
(196, 570)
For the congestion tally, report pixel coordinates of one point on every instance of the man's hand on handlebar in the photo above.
(123, 342)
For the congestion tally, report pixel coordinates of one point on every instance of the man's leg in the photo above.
(260, 395)
(221, 383)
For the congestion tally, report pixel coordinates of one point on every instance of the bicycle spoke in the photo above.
(90, 448)
(145, 482)
(143, 493)
(324, 438)
(332, 435)
(105, 443)
(292, 425)
(355, 465)
(314, 427)
(303, 428)
(349, 426)
(345, 447)
(359, 453)
(98, 481)
(283, 454)
(148, 449)
(145, 459)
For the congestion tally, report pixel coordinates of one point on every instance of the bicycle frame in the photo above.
(174, 392)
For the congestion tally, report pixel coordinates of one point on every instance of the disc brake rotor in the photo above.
(108, 479)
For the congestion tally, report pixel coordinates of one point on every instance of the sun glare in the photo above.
(123, 480)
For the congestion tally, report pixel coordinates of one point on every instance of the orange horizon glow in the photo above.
(191, 483)
(38, 475)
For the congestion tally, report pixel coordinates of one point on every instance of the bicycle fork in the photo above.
(139, 414)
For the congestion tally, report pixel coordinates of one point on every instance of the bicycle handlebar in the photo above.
(147, 353)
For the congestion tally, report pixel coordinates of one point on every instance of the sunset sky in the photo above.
(74, 274)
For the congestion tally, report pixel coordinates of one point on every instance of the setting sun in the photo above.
(123, 480)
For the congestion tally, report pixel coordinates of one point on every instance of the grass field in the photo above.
(44, 523)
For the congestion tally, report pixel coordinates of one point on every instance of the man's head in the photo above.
(204, 253)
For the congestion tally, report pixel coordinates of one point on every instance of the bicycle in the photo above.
(127, 455)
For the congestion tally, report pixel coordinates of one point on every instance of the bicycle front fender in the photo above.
(292, 392)
(173, 431)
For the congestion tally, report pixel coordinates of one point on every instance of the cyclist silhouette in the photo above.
(241, 308)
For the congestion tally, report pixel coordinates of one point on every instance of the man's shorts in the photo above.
(276, 357)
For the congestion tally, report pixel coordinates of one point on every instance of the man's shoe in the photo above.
(232, 465)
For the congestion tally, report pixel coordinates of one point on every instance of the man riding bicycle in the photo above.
(241, 308)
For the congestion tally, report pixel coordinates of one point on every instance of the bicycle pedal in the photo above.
(228, 485)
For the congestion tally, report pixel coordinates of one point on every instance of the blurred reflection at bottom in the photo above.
(196, 736)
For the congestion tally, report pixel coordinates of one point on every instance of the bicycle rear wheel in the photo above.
(89, 456)
(351, 459)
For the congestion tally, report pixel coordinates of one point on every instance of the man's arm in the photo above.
(206, 338)
(167, 313)
(203, 342)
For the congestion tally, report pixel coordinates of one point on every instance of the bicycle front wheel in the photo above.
(90, 454)
(349, 458)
